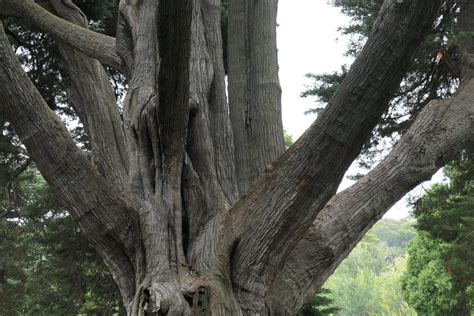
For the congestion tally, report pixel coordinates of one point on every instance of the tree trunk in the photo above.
(187, 198)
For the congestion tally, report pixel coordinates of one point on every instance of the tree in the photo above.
(319, 305)
(440, 277)
(368, 282)
(190, 200)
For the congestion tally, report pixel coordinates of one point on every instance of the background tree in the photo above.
(368, 281)
(440, 278)
(319, 305)
(47, 267)
(188, 199)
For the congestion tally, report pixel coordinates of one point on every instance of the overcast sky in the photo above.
(308, 42)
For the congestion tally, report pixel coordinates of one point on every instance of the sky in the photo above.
(308, 42)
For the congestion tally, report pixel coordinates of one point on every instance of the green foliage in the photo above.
(46, 265)
(288, 139)
(368, 282)
(325, 85)
(427, 285)
(440, 274)
(319, 305)
(363, 15)
(395, 233)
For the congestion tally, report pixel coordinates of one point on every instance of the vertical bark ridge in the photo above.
(209, 184)
(141, 102)
(254, 88)
(282, 204)
(157, 107)
(145, 144)
(200, 146)
(210, 150)
(221, 131)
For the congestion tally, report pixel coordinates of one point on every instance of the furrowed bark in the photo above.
(156, 118)
(93, 44)
(206, 194)
(283, 202)
(254, 88)
(93, 99)
(438, 135)
(157, 286)
(209, 184)
(6, 11)
(101, 213)
(221, 130)
(441, 131)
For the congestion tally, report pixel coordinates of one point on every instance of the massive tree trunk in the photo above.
(191, 204)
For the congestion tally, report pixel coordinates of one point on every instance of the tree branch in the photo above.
(282, 204)
(438, 135)
(93, 44)
(93, 99)
(102, 214)
(254, 88)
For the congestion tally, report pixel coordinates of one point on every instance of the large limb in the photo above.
(438, 135)
(254, 87)
(440, 132)
(282, 204)
(95, 45)
(101, 212)
(93, 99)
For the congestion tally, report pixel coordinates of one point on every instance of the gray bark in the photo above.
(93, 44)
(161, 201)
(254, 88)
(102, 213)
(280, 207)
(93, 99)
(442, 130)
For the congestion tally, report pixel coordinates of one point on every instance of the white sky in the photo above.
(308, 42)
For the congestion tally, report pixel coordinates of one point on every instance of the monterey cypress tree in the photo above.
(183, 187)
